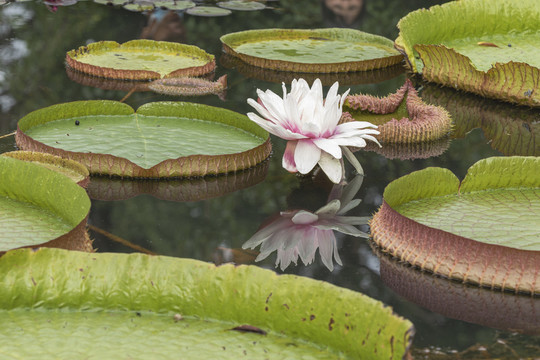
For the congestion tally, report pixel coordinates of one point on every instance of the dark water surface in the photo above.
(206, 218)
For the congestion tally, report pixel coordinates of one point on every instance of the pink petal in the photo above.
(288, 157)
(304, 217)
(332, 167)
(326, 247)
(306, 156)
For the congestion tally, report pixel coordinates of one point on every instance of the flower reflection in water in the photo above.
(298, 233)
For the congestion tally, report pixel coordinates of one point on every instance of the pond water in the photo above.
(210, 219)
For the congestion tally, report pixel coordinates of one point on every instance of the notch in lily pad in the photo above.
(159, 140)
(140, 60)
(401, 117)
(333, 50)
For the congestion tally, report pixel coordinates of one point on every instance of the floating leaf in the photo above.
(208, 11)
(41, 207)
(72, 169)
(482, 231)
(140, 60)
(110, 189)
(402, 117)
(242, 5)
(509, 129)
(315, 51)
(163, 139)
(181, 306)
(451, 44)
(495, 309)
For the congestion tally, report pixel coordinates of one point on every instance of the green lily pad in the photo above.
(208, 11)
(72, 169)
(39, 206)
(242, 5)
(315, 51)
(176, 5)
(140, 60)
(482, 231)
(486, 47)
(140, 7)
(509, 129)
(163, 139)
(174, 306)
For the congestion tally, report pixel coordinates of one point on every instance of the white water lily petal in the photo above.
(329, 209)
(326, 248)
(262, 110)
(349, 206)
(353, 220)
(353, 125)
(353, 160)
(336, 254)
(354, 142)
(307, 247)
(306, 156)
(303, 217)
(329, 146)
(332, 167)
(275, 129)
(326, 225)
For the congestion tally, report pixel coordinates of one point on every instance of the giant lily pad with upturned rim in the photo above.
(171, 306)
(330, 50)
(162, 139)
(486, 47)
(140, 60)
(40, 207)
(483, 230)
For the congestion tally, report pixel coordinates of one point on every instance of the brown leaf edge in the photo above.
(425, 122)
(107, 189)
(111, 73)
(77, 239)
(515, 82)
(410, 151)
(500, 310)
(453, 256)
(56, 161)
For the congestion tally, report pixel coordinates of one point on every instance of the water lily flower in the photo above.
(299, 233)
(310, 123)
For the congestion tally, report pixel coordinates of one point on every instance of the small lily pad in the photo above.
(402, 117)
(164, 139)
(316, 51)
(209, 11)
(140, 7)
(140, 60)
(486, 47)
(482, 231)
(242, 5)
(70, 168)
(40, 207)
(183, 307)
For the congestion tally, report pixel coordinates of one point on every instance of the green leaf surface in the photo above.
(498, 201)
(37, 205)
(486, 47)
(312, 50)
(140, 59)
(156, 133)
(208, 11)
(242, 5)
(88, 299)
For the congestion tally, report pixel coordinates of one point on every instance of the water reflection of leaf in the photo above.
(111, 189)
(299, 233)
(456, 300)
(510, 129)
